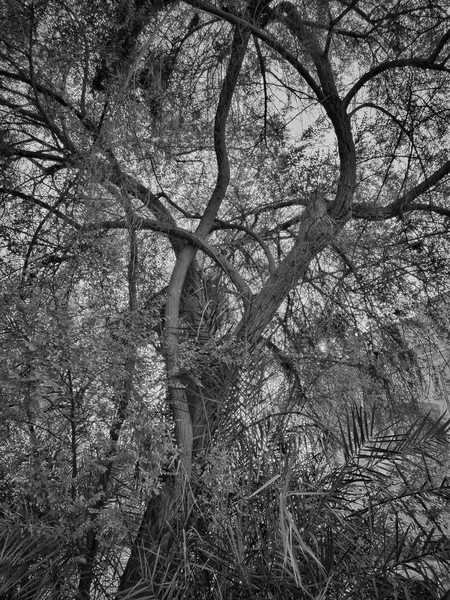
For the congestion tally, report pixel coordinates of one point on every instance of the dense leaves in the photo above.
(224, 265)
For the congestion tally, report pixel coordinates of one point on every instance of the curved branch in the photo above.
(384, 111)
(439, 46)
(180, 209)
(183, 234)
(51, 209)
(184, 428)
(427, 64)
(285, 225)
(150, 224)
(221, 224)
(224, 225)
(264, 37)
(239, 47)
(278, 205)
(429, 207)
(404, 203)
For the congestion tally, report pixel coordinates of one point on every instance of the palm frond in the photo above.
(31, 563)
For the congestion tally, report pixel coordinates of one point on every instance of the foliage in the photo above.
(365, 524)
(223, 313)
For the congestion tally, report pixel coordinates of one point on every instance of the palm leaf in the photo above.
(28, 563)
(362, 445)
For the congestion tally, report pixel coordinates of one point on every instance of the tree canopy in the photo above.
(224, 248)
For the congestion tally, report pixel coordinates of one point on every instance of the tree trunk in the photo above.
(159, 546)
(195, 407)
(170, 514)
(157, 551)
(166, 522)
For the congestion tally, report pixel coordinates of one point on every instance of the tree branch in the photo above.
(384, 111)
(225, 225)
(239, 47)
(264, 37)
(51, 209)
(405, 202)
(185, 235)
(315, 233)
(52, 126)
(439, 46)
(124, 398)
(38, 87)
(417, 63)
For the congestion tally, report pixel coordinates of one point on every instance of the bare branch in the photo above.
(404, 203)
(239, 48)
(440, 45)
(384, 111)
(264, 37)
(426, 64)
(183, 234)
(34, 200)
(225, 225)
(429, 207)
(49, 93)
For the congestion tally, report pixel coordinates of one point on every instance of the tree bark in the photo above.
(192, 407)
(195, 407)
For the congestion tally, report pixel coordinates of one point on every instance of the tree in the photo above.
(267, 181)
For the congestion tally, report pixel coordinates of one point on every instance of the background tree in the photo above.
(213, 214)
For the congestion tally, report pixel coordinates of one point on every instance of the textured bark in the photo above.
(315, 232)
(156, 543)
(195, 407)
(192, 405)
